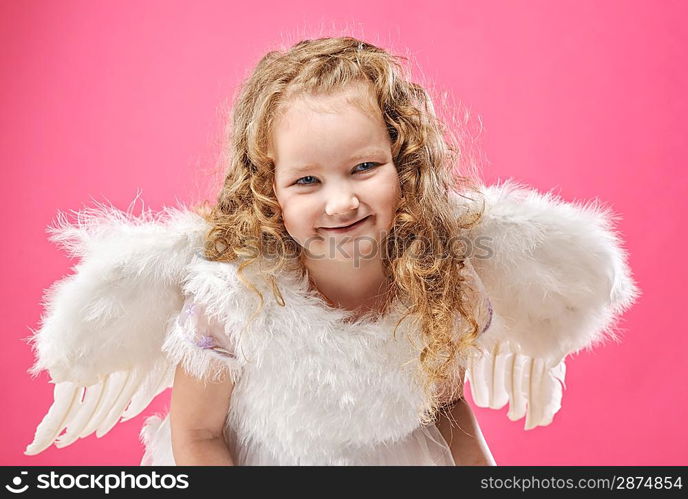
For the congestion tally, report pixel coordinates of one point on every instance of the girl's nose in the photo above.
(341, 203)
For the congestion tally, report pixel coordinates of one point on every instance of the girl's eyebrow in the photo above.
(361, 155)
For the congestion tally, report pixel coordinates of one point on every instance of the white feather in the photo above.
(518, 395)
(111, 389)
(84, 414)
(66, 400)
(131, 384)
(156, 382)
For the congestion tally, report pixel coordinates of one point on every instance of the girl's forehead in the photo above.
(338, 102)
(360, 95)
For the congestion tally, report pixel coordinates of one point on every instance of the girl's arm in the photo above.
(459, 427)
(202, 452)
(197, 415)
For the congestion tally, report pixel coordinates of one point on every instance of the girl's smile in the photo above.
(346, 227)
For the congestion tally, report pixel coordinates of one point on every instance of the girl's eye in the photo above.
(373, 165)
(368, 163)
(307, 183)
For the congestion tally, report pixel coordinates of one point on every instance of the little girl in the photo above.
(320, 175)
(326, 308)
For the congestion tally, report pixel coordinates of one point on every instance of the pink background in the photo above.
(586, 98)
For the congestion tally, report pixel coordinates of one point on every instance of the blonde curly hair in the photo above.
(422, 261)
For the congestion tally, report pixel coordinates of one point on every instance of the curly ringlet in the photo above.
(426, 274)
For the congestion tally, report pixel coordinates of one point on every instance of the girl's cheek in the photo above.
(299, 216)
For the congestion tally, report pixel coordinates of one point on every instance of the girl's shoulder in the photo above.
(240, 294)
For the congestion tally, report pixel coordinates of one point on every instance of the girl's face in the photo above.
(333, 167)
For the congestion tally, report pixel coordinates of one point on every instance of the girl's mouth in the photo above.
(348, 228)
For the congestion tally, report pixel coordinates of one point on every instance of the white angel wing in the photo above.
(558, 279)
(103, 327)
